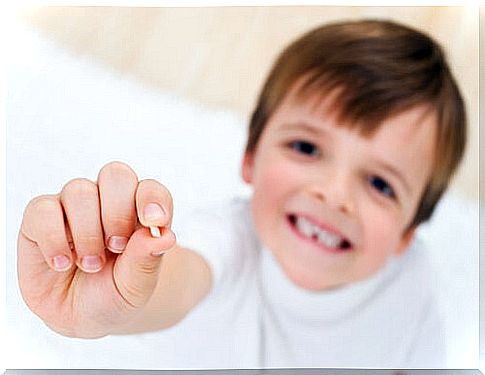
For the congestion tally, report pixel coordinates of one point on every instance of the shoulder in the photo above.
(406, 281)
(414, 301)
(222, 233)
(227, 212)
(411, 270)
(222, 223)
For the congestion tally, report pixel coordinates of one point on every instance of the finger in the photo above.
(117, 184)
(38, 278)
(80, 201)
(154, 204)
(136, 270)
(43, 223)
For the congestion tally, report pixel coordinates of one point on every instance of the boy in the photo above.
(356, 134)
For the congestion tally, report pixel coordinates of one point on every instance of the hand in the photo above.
(87, 262)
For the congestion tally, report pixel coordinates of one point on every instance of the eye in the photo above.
(304, 147)
(382, 186)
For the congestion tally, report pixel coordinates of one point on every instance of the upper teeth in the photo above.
(312, 231)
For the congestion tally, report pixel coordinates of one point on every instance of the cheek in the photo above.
(274, 182)
(274, 178)
(382, 233)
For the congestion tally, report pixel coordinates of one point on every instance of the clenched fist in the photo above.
(87, 263)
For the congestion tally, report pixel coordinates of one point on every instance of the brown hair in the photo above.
(380, 69)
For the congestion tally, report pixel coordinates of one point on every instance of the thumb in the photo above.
(136, 270)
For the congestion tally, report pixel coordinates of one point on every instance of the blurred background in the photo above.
(219, 56)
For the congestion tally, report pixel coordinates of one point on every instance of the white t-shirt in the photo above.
(255, 316)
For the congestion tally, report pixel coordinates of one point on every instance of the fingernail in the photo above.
(153, 212)
(117, 243)
(158, 253)
(91, 263)
(61, 263)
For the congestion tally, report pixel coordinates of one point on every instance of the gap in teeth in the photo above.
(317, 234)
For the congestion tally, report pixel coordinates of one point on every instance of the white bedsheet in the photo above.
(67, 116)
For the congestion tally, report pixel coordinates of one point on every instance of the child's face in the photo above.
(330, 204)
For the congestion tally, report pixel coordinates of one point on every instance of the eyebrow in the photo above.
(303, 126)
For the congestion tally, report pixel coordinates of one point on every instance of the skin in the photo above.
(358, 187)
(130, 289)
(88, 266)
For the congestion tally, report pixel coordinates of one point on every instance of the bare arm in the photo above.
(184, 281)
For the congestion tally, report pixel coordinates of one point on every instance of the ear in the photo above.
(247, 167)
(405, 241)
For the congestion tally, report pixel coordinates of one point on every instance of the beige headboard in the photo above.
(220, 55)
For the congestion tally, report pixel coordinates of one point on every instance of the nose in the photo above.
(335, 190)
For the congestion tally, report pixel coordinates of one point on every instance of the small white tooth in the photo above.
(307, 230)
(322, 237)
(333, 241)
(305, 227)
(328, 239)
(155, 231)
(310, 230)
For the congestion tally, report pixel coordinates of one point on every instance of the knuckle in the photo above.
(134, 292)
(131, 293)
(52, 239)
(120, 221)
(147, 268)
(34, 221)
(89, 243)
(117, 168)
(42, 204)
(81, 188)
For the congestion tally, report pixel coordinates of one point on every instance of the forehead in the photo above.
(411, 133)
(352, 107)
(418, 120)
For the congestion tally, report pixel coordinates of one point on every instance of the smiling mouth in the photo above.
(310, 231)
